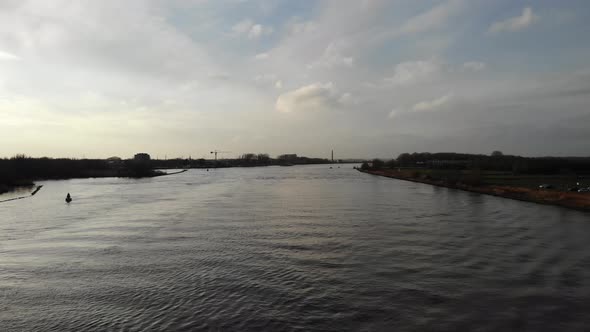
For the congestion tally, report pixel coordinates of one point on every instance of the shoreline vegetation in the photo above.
(550, 180)
(22, 171)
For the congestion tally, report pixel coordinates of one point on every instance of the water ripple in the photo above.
(288, 249)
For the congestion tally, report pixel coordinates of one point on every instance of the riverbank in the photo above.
(160, 173)
(7, 188)
(572, 200)
(22, 197)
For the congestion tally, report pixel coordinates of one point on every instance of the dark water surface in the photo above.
(288, 248)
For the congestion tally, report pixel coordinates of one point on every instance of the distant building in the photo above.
(142, 157)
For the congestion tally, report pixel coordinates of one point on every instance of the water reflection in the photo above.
(289, 248)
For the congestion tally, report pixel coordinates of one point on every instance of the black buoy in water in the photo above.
(68, 198)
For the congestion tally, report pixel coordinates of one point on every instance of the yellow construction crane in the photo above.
(216, 152)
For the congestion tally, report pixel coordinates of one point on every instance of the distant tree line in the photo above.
(22, 170)
(22, 167)
(245, 160)
(497, 161)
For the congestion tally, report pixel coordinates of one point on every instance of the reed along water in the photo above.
(304, 248)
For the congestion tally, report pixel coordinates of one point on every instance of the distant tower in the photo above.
(332, 155)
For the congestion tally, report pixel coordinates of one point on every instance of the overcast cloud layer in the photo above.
(371, 78)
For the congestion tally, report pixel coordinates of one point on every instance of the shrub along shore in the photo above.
(573, 200)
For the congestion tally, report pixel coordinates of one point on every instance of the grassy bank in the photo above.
(517, 187)
(561, 182)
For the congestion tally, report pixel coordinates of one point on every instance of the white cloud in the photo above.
(296, 27)
(313, 97)
(243, 27)
(93, 46)
(347, 99)
(266, 78)
(8, 56)
(394, 112)
(251, 30)
(219, 76)
(515, 23)
(259, 30)
(474, 66)
(432, 105)
(411, 72)
(332, 57)
(261, 56)
(432, 18)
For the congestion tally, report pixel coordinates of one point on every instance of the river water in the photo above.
(304, 248)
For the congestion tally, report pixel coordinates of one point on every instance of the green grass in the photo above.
(562, 182)
(559, 181)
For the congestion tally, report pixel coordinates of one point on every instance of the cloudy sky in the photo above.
(367, 78)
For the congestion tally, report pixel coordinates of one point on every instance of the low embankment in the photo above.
(22, 197)
(573, 200)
